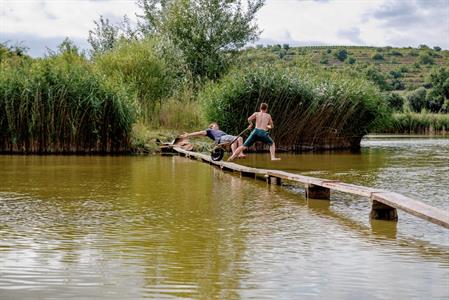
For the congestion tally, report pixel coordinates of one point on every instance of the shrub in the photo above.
(425, 59)
(395, 53)
(374, 75)
(417, 99)
(151, 71)
(324, 60)
(395, 101)
(404, 69)
(351, 60)
(397, 85)
(396, 74)
(308, 106)
(341, 54)
(377, 56)
(437, 48)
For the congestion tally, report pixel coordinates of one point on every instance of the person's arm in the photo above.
(251, 119)
(270, 124)
(193, 134)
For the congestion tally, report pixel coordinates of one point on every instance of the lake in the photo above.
(129, 227)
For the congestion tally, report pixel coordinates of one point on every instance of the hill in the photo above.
(392, 69)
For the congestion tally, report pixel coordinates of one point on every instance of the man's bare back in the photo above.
(263, 120)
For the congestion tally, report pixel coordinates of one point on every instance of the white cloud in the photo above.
(298, 22)
(49, 18)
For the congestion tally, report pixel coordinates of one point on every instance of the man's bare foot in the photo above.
(275, 158)
(230, 158)
(242, 156)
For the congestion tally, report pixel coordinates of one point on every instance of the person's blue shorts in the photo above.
(258, 135)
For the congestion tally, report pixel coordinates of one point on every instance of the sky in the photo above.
(42, 24)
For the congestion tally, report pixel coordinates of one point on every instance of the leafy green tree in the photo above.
(417, 99)
(105, 35)
(207, 32)
(438, 93)
(437, 48)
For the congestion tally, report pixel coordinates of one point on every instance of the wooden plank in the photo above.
(413, 207)
(350, 188)
(295, 177)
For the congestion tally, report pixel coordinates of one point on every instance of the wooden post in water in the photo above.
(317, 192)
(380, 211)
(273, 180)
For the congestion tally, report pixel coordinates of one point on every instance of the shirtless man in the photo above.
(260, 133)
(219, 136)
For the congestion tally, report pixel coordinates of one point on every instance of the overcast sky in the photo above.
(39, 24)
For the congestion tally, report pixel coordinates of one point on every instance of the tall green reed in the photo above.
(60, 105)
(310, 107)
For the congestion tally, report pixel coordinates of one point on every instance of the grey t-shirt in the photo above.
(214, 134)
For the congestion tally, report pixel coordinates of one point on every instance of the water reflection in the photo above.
(162, 227)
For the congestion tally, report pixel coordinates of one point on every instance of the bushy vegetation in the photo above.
(422, 123)
(172, 70)
(309, 107)
(58, 104)
(153, 73)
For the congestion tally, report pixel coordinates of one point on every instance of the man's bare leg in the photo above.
(240, 143)
(236, 152)
(273, 152)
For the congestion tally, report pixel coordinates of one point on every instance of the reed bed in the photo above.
(60, 105)
(418, 123)
(310, 108)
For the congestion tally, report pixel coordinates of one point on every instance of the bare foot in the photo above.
(230, 158)
(275, 158)
(242, 156)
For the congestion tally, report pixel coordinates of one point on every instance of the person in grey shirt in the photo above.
(218, 136)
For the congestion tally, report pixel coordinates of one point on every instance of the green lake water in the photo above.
(132, 227)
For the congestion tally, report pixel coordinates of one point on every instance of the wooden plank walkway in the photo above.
(384, 203)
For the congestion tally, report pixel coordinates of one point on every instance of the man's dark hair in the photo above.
(263, 106)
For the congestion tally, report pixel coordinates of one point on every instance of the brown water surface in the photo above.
(168, 227)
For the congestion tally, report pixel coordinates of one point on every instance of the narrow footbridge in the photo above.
(384, 203)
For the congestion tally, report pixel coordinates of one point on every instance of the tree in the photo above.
(437, 48)
(208, 32)
(417, 99)
(106, 35)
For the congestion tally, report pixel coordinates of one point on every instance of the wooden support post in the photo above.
(317, 192)
(380, 211)
(247, 174)
(274, 180)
